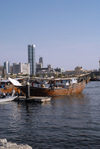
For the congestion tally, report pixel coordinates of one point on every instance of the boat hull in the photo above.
(70, 90)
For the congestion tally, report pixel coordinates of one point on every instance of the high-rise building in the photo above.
(6, 67)
(41, 61)
(31, 59)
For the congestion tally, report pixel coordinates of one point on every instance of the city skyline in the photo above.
(66, 33)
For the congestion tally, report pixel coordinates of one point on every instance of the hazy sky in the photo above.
(66, 32)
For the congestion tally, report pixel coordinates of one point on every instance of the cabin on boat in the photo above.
(53, 83)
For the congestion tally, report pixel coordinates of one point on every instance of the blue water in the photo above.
(64, 123)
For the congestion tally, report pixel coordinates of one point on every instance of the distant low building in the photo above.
(59, 70)
(48, 71)
(78, 69)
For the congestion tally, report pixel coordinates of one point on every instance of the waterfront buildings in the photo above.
(45, 71)
(31, 59)
(77, 71)
(21, 68)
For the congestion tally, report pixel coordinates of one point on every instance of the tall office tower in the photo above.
(6, 67)
(31, 59)
(99, 65)
(41, 61)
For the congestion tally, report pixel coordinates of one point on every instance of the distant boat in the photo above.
(52, 87)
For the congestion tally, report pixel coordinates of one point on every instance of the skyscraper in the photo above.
(41, 61)
(6, 67)
(31, 59)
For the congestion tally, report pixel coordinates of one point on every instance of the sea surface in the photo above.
(63, 123)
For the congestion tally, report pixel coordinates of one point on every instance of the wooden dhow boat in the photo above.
(51, 87)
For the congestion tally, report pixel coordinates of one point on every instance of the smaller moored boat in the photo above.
(7, 98)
